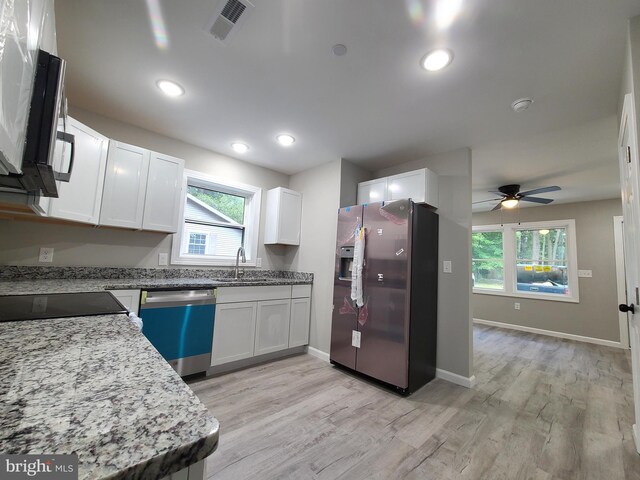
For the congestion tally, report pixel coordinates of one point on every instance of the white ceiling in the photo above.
(374, 106)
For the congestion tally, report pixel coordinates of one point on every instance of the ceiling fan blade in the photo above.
(536, 200)
(495, 192)
(540, 190)
(483, 201)
(497, 207)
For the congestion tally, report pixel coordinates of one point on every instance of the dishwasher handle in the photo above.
(168, 298)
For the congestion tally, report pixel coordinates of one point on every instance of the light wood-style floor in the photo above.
(543, 408)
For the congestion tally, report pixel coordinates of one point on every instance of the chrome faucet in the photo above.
(244, 260)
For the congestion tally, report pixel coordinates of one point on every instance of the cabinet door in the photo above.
(164, 184)
(284, 215)
(129, 298)
(79, 199)
(299, 328)
(272, 329)
(372, 191)
(233, 332)
(407, 185)
(124, 186)
(290, 215)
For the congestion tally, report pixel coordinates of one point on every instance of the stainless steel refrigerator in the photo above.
(392, 336)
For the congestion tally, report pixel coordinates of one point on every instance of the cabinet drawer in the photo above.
(248, 294)
(300, 291)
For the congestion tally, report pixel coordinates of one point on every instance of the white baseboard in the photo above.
(468, 382)
(636, 436)
(314, 352)
(549, 333)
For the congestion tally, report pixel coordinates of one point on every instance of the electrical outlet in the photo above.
(585, 273)
(446, 266)
(258, 262)
(516, 306)
(163, 259)
(46, 255)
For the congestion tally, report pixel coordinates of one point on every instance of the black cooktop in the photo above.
(57, 305)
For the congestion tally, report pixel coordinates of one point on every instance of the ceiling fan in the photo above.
(511, 196)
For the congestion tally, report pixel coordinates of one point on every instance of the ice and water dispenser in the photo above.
(346, 262)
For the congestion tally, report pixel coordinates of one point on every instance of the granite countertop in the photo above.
(34, 280)
(96, 387)
(30, 286)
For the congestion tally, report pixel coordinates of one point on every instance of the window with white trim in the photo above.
(531, 260)
(218, 217)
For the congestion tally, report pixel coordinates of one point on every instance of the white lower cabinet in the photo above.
(129, 298)
(299, 324)
(233, 332)
(272, 329)
(252, 321)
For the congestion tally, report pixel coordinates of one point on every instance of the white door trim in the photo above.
(621, 283)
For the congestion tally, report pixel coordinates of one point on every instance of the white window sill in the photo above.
(534, 296)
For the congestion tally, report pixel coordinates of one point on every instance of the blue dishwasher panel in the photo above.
(179, 332)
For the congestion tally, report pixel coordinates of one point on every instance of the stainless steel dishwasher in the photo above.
(179, 323)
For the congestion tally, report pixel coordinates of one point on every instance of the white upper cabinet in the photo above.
(284, 212)
(421, 186)
(125, 186)
(164, 184)
(79, 199)
(372, 191)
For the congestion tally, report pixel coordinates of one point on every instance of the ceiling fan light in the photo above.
(510, 202)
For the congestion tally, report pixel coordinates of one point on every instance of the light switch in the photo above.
(163, 259)
(585, 273)
(446, 266)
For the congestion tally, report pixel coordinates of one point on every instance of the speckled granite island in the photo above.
(96, 387)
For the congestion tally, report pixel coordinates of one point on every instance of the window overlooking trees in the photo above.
(541, 261)
(535, 260)
(487, 260)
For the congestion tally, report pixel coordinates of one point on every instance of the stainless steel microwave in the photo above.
(46, 114)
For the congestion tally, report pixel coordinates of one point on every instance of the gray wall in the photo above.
(455, 333)
(597, 314)
(85, 245)
(350, 176)
(320, 188)
(631, 75)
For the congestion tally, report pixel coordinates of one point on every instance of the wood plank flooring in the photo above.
(543, 408)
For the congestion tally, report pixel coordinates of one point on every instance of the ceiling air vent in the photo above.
(228, 18)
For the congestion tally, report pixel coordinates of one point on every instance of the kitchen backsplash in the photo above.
(50, 273)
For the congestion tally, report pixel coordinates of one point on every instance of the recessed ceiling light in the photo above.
(285, 140)
(436, 59)
(521, 104)
(169, 88)
(510, 202)
(240, 147)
